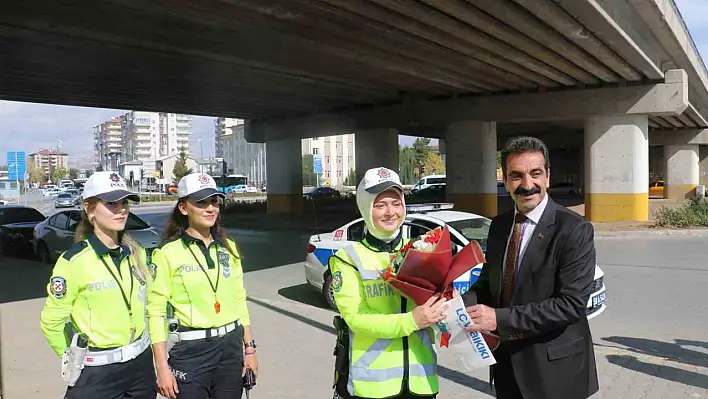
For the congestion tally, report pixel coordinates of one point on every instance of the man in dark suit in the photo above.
(533, 289)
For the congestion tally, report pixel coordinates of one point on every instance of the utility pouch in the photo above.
(72, 361)
(172, 329)
(341, 351)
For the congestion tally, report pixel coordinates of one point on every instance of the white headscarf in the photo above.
(365, 202)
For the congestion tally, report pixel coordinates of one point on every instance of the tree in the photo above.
(433, 164)
(308, 176)
(36, 174)
(58, 174)
(73, 173)
(421, 149)
(406, 164)
(351, 178)
(181, 169)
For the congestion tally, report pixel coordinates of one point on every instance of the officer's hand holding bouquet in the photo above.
(429, 313)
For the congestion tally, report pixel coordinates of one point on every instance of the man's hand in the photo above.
(483, 318)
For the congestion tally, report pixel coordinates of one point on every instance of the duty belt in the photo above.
(119, 355)
(208, 332)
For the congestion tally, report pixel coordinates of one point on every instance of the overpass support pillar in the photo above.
(681, 170)
(375, 148)
(703, 165)
(471, 166)
(617, 168)
(284, 176)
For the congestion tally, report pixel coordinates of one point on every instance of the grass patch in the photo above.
(693, 213)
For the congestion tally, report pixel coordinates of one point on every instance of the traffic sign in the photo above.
(317, 164)
(16, 165)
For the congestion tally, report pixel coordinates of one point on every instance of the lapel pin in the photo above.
(540, 236)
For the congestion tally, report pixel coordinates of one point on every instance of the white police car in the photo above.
(463, 227)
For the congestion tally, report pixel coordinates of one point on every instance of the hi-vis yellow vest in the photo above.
(387, 351)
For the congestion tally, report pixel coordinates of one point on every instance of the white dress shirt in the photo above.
(527, 228)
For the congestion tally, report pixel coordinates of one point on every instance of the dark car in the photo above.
(17, 224)
(323, 191)
(434, 193)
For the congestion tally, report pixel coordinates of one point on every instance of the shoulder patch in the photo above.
(75, 250)
(57, 286)
(337, 281)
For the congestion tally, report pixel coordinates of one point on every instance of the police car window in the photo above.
(419, 227)
(473, 229)
(135, 223)
(74, 220)
(356, 231)
(61, 221)
(436, 180)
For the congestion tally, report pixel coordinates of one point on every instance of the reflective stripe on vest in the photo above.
(360, 369)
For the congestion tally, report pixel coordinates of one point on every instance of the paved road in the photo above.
(652, 342)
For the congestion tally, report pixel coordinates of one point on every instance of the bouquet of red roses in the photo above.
(425, 266)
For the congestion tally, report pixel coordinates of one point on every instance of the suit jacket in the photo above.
(545, 332)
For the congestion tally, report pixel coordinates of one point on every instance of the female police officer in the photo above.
(199, 277)
(390, 353)
(100, 285)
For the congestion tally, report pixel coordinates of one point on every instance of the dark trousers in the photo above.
(134, 379)
(209, 368)
(505, 384)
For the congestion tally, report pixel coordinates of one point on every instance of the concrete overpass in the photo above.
(609, 74)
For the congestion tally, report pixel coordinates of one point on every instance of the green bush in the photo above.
(693, 213)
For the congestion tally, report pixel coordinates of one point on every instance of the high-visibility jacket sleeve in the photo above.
(240, 289)
(62, 292)
(160, 293)
(360, 319)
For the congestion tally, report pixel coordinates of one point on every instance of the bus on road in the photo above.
(232, 183)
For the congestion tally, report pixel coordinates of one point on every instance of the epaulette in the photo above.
(343, 261)
(165, 242)
(75, 250)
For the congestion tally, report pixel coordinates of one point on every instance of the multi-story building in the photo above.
(107, 144)
(223, 129)
(150, 135)
(337, 154)
(50, 158)
(242, 157)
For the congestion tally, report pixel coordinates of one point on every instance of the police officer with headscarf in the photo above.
(385, 343)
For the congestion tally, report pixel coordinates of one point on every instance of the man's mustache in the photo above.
(522, 191)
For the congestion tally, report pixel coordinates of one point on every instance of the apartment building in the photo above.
(107, 144)
(242, 157)
(148, 136)
(338, 156)
(47, 158)
(223, 129)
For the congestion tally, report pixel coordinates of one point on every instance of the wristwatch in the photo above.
(251, 344)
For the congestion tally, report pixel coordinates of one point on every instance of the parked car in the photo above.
(322, 192)
(17, 223)
(56, 234)
(421, 218)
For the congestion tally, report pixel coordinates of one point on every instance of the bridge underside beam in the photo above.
(669, 98)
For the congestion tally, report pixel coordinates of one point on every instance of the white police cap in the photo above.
(108, 186)
(377, 180)
(197, 187)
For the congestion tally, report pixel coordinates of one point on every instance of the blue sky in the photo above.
(28, 127)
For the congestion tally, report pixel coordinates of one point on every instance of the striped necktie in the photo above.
(512, 252)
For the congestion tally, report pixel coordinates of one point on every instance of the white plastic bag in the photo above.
(470, 347)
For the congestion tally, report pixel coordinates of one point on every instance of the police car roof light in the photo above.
(421, 208)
